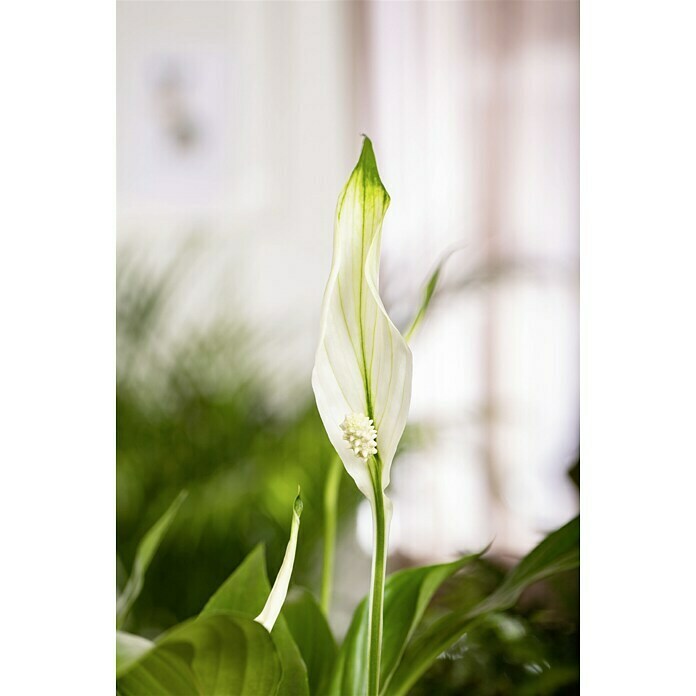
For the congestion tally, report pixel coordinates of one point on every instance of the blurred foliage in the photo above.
(194, 415)
(531, 650)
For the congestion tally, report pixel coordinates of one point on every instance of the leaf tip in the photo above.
(298, 505)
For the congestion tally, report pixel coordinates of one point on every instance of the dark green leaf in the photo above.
(313, 637)
(218, 654)
(245, 592)
(143, 557)
(558, 552)
(406, 596)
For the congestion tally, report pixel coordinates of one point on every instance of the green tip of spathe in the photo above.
(367, 154)
(367, 163)
(298, 505)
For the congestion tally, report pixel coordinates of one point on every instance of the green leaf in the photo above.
(143, 557)
(406, 596)
(350, 670)
(245, 592)
(560, 551)
(159, 673)
(427, 297)
(363, 365)
(129, 649)
(313, 637)
(219, 654)
(481, 275)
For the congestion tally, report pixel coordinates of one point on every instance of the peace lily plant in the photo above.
(363, 367)
(251, 639)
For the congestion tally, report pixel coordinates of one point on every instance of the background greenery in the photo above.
(197, 416)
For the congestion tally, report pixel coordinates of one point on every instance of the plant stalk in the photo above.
(331, 488)
(379, 568)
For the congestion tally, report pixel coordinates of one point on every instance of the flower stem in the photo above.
(379, 567)
(333, 483)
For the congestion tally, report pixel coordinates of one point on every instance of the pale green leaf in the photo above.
(218, 654)
(560, 551)
(483, 274)
(143, 557)
(426, 298)
(129, 649)
(363, 364)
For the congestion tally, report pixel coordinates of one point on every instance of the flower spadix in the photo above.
(362, 371)
(360, 434)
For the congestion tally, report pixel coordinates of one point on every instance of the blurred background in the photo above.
(238, 125)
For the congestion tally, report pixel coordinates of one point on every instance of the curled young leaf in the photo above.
(279, 591)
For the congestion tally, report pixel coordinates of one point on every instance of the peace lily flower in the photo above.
(362, 371)
(363, 366)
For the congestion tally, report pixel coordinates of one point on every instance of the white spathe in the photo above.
(363, 365)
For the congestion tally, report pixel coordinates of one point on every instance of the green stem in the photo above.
(379, 568)
(333, 483)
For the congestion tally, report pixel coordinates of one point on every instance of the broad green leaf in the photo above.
(313, 637)
(406, 596)
(363, 365)
(245, 592)
(279, 592)
(159, 673)
(143, 557)
(218, 654)
(129, 649)
(560, 551)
